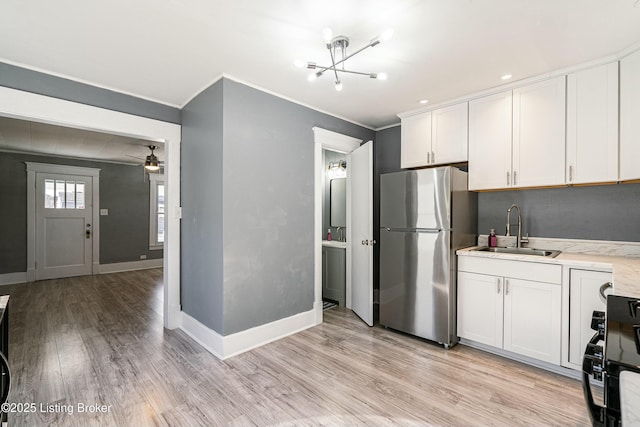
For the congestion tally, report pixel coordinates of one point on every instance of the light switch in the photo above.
(104, 212)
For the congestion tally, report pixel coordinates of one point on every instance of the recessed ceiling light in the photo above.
(423, 101)
(506, 77)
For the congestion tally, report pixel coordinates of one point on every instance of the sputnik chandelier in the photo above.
(337, 47)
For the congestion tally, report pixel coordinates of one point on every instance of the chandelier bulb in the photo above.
(382, 76)
(327, 35)
(338, 86)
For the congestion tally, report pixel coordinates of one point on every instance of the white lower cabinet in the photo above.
(511, 313)
(584, 298)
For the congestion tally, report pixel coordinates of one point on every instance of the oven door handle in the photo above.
(596, 412)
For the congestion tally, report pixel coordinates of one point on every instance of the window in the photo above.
(156, 211)
(61, 194)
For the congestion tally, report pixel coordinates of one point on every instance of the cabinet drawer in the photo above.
(539, 272)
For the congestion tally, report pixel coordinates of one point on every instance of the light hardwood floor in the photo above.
(100, 340)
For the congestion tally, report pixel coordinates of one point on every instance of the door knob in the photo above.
(365, 242)
(372, 242)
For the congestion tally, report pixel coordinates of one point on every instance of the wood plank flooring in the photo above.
(100, 340)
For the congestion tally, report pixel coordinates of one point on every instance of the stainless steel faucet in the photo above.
(340, 231)
(519, 238)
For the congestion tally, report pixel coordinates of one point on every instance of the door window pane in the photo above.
(70, 195)
(60, 194)
(49, 194)
(79, 195)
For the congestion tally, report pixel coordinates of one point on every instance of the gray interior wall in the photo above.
(268, 205)
(329, 156)
(124, 233)
(201, 191)
(386, 154)
(609, 212)
(45, 84)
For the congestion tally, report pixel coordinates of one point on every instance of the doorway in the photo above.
(359, 219)
(29, 106)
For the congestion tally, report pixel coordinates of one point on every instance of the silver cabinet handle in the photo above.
(498, 283)
(433, 157)
(603, 288)
(515, 178)
(506, 287)
(570, 173)
(508, 178)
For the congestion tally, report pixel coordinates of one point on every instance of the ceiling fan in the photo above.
(151, 162)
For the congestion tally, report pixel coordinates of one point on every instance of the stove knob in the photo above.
(597, 321)
(593, 362)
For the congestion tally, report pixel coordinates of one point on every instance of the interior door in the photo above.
(361, 193)
(64, 232)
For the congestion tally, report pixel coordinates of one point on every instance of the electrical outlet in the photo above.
(143, 257)
(104, 212)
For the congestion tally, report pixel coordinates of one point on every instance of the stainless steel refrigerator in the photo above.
(425, 216)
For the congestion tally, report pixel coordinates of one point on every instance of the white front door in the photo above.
(64, 229)
(361, 194)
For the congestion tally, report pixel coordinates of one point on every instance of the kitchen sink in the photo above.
(520, 251)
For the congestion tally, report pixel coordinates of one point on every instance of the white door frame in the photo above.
(325, 139)
(32, 170)
(39, 108)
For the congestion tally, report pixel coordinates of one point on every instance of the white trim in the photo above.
(33, 169)
(86, 82)
(29, 106)
(59, 156)
(224, 347)
(12, 278)
(62, 169)
(270, 92)
(118, 267)
(325, 139)
(387, 127)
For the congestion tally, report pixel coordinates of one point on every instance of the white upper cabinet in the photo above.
(436, 137)
(539, 134)
(415, 145)
(449, 134)
(630, 117)
(592, 125)
(517, 138)
(490, 141)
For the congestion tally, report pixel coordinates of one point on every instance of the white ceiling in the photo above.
(40, 138)
(169, 50)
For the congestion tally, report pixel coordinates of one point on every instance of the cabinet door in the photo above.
(532, 319)
(539, 134)
(449, 135)
(592, 125)
(630, 117)
(490, 142)
(334, 274)
(584, 298)
(480, 306)
(415, 145)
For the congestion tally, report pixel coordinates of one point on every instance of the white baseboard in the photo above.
(12, 278)
(118, 267)
(224, 347)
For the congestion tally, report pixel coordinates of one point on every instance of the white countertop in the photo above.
(626, 270)
(334, 244)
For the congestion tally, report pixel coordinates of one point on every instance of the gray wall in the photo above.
(610, 212)
(386, 154)
(124, 233)
(265, 179)
(44, 84)
(201, 191)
